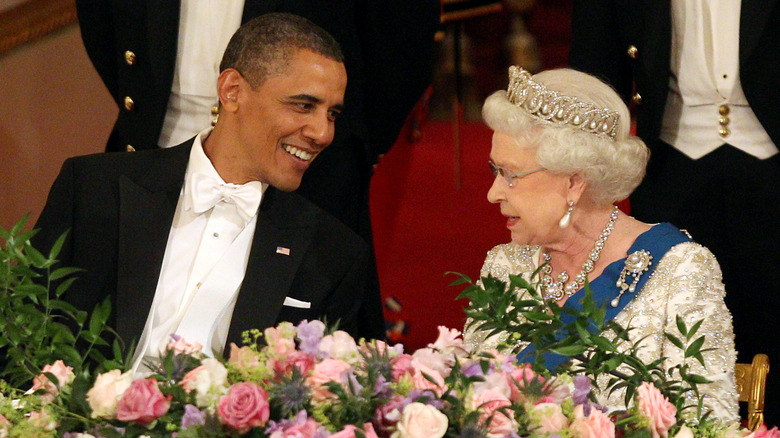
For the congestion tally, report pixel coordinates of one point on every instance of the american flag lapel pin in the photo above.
(282, 250)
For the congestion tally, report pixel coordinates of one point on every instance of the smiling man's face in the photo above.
(284, 123)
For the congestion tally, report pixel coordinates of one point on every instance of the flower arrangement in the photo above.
(303, 381)
(307, 380)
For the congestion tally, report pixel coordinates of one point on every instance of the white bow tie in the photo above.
(207, 192)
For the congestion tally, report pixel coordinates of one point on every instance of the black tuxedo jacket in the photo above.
(603, 30)
(119, 209)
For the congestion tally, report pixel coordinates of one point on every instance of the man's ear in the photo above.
(577, 186)
(229, 85)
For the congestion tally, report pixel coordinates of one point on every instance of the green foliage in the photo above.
(522, 316)
(38, 326)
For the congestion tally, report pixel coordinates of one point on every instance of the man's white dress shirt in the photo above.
(205, 259)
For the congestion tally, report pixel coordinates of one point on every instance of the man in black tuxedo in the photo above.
(137, 46)
(208, 234)
(702, 76)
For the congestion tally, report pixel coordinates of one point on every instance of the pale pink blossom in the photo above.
(243, 358)
(490, 403)
(449, 341)
(180, 346)
(431, 358)
(657, 409)
(402, 365)
(549, 418)
(595, 425)
(349, 431)
(106, 392)
(329, 370)
(421, 421)
(421, 379)
(64, 375)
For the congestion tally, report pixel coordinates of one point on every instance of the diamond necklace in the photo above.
(559, 288)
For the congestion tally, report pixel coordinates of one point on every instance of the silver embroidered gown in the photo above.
(686, 282)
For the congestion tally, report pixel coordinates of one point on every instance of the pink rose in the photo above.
(549, 417)
(517, 379)
(763, 432)
(188, 381)
(296, 359)
(657, 409)
(181, 346)
(349, 431)
(244, 407)
(595, 425)
(244, 358)
(388, 414)
(142, 402)
(402, 365)
(105, 393)
(421, 375)
(329, 370)
(421, 421)
(64, 375)
(489, 404)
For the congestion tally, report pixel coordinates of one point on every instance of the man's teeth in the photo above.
(300, 153)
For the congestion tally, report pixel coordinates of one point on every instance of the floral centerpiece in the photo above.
(307, 380)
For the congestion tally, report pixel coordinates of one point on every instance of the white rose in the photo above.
(106, 392)
(211, 383)
(421, 421)
(340, 345)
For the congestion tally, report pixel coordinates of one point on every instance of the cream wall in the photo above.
(52, 106)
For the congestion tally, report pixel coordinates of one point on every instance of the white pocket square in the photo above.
(292, 302)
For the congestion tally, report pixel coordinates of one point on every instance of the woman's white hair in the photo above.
(612, 169)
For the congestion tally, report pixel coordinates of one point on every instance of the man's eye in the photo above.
(333, 114)
(306, 106)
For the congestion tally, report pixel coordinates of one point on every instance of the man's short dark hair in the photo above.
(264, 45)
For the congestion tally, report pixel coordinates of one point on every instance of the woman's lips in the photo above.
(511, 221)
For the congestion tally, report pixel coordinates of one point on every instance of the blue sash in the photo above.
(658, 241)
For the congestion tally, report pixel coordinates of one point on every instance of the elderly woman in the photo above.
(562, 155)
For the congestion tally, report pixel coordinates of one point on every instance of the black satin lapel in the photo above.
(145, 222)
(753, 19)
(270, 273)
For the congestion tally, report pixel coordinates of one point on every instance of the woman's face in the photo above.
(536, 202)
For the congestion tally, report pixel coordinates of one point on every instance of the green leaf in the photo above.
(571, 350)
(57, 247)
(63, 272)
(694, 348)
(673, 339)
(681, 325)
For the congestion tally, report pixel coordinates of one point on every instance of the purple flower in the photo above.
(310, 334)
(382, 387)
(472, 369)
(192, 417)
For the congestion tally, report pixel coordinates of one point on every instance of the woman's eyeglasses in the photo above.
(510, 178)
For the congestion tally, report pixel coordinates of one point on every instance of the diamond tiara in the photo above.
(556, 108)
